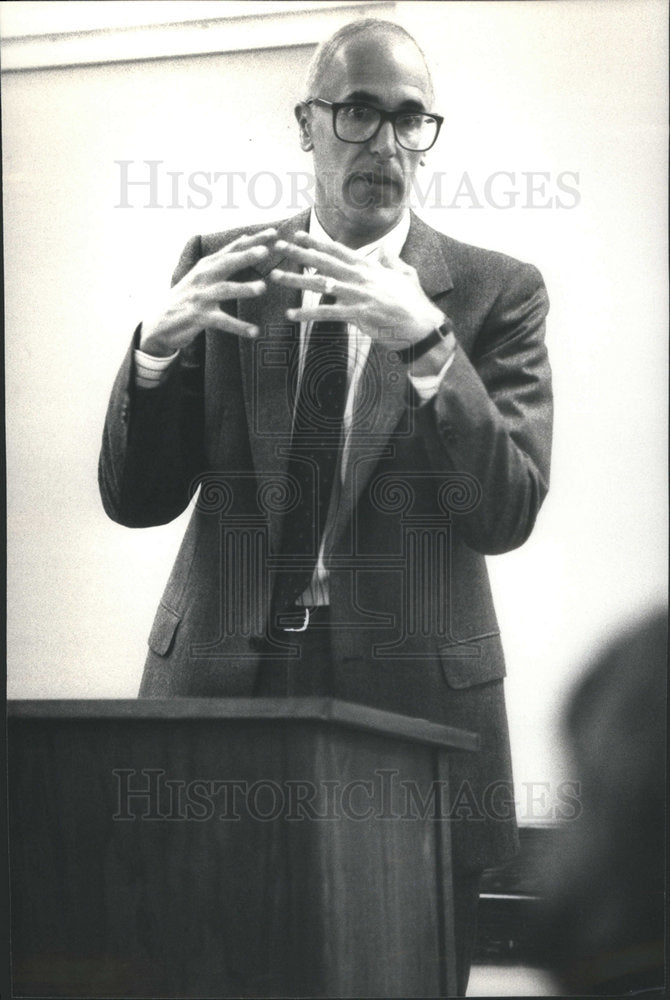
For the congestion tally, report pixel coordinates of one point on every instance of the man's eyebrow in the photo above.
(369, 98)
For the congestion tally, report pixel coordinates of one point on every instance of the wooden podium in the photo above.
(229, 848)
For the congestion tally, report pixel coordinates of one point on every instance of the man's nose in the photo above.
(384, 144)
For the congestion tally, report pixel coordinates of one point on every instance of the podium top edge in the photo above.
(326, 710)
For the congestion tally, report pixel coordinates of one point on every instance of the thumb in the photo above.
(388, 259)
(394, 263)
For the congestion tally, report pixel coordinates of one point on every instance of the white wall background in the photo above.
(552, 87)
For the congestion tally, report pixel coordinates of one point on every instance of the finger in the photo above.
(307, 282)
(331, 246)
(217, 319)
(225, 263)
(342, 313)
(256, 239)
(343, 292)
(324, 262)
(222, 291)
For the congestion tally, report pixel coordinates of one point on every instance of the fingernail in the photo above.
(253, 331)
(301, 234)
(291, 313)
(281, 245)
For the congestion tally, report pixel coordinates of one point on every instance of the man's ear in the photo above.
(302, 117)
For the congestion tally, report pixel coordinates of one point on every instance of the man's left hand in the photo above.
(383, 298)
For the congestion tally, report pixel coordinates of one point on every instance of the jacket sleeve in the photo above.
(492, 418)
(153, 444)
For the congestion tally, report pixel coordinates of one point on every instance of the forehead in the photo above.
(391, 70)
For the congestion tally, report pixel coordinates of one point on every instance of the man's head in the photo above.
(362, 188)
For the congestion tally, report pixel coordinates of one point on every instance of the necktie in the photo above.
(315, 446)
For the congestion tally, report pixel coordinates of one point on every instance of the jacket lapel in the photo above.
(424, 250)
(387, 377)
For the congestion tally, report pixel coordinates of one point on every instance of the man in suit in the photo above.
(346, 500)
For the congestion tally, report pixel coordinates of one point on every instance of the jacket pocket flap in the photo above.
(473, 661)
(163, 630)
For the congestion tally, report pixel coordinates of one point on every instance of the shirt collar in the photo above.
(392, 242)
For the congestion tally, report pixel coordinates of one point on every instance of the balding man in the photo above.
(376, 396)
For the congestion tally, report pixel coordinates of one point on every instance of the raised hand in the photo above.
(382, 298)
(195, 302)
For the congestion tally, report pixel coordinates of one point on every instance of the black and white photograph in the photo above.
(336, 470)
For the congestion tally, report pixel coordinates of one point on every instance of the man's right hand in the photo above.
(195, 302)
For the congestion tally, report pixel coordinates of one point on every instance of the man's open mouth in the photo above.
(373, 187)
(378, 179)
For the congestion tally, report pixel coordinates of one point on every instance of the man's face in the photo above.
(362, 189)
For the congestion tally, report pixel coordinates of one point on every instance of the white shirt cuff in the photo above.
(149, 370)
(427, 385)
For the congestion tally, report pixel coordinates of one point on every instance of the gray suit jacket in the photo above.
(429, 490)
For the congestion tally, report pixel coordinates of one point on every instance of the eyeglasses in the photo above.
(415, 130)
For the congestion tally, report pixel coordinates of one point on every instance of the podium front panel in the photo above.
(220, 857)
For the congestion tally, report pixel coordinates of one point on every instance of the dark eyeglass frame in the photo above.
(384, 116)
